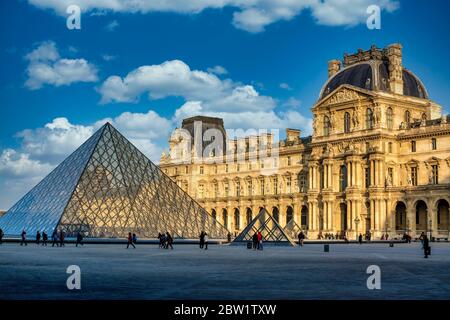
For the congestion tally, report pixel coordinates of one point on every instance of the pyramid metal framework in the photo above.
(107, 188)
(292, 229)
(271, 231)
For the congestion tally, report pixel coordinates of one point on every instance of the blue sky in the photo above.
(258, 64)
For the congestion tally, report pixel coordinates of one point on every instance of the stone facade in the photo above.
(378, 161)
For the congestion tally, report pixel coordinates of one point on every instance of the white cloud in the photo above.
(292, 103)
(285, 86)
(113, 25)
(219, 70)
(175, 78)
(16, 164)
(46, 67)
(249, 15)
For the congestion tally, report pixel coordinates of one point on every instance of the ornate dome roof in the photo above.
(373, 75)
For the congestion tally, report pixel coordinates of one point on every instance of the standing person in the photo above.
(61, 239)
(205, 240)
(1, 236)
(130, 241)
(55, 238)
(169, 240)
(421, 238)
(134, 238)
(202, 239)
(160, 238)
(255, 241)
(24, 238)
(79, 239)
(38, 237)
(360, 239)
(301, 238)
(44, 238)
(426, 246)
(260, 240)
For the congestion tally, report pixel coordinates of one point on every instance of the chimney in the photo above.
(395, 59)
(333, 67)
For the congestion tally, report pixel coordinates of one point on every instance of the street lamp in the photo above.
(431, 228)
(356, 224)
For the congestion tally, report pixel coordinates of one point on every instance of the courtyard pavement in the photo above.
(224, 272)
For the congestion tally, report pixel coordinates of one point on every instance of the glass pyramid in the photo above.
(271, 231)
(108, 188)
(292, 229)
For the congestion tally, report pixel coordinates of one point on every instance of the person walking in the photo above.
(202, 239)
(169, 240)
(79, 239)
(229, 237)
(61, 239)
(134, 238)
(301, 238)
(38, 238)
(260, 241)
(1, 236)
(44, 238)
(360, 239)
(205, 240)
(55, 238)
(255, 241)
(160, 238)
(426, 246)
(130, 241)
(421, 238)
(24, 238)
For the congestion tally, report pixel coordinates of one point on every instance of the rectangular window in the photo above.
(238, 167)
(249, 188)
(201, 170)
(238, 189)
(390, 147)
(289, 161)
(433, 144)
(413, 146)
(414, 176)
(261, 183)
(288, 184)
(367, 177)
(216, 190)
(186, 169)
(227, 190)
(226, 168)
(435, 174)
(275, 186)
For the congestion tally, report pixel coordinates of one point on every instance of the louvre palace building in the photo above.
(378, 160)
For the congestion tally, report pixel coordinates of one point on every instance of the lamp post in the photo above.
(431, 228)
(356, 224)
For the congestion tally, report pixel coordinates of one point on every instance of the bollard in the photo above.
(249, 245)
(391, 244)
(326, 248)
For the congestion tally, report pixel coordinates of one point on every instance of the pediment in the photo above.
(345, 93)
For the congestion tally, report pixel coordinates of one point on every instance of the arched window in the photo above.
(407, 117)
(369, 119)
(237, 220)
(343, 178)
(326, 126)
(347, 122)
(389, 118)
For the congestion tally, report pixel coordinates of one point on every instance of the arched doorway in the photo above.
(225, 218)
(443, 218)
(400, 217)
(421, 216)
(343, 208)
(304, 218)
(276, 214)
(237, 219)
(289, 214)
(249, 216)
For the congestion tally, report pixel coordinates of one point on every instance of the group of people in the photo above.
(165, 240)
(204, 240)
(257, 241)
(42, 238)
